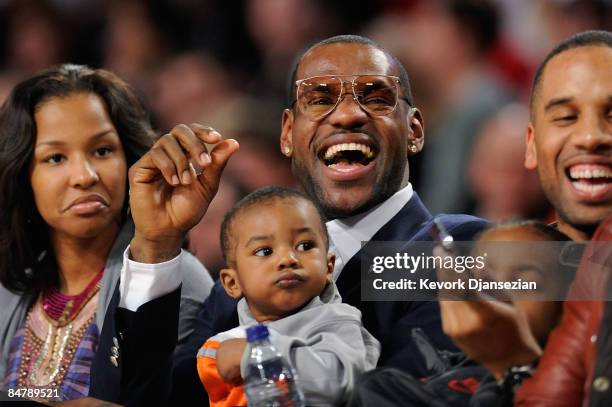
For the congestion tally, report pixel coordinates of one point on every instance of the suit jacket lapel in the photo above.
(402, 227)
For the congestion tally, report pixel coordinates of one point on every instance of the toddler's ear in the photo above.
(331, 261)
(229, 280)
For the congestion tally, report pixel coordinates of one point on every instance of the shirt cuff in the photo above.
(142, 282)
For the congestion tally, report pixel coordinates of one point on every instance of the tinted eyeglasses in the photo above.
(318, 96)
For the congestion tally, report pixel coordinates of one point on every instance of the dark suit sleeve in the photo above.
(218, 314)
(467, 231)
(133, 362)
(149, 372)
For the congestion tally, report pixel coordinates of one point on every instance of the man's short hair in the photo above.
(583, 39)
(258, 197)
(351, 39)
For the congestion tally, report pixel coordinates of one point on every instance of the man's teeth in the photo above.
(587, 173)
(590, 178)
(582, 186)
(333, 150)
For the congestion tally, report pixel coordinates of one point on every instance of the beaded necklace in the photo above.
(45, 364)
(62, 308)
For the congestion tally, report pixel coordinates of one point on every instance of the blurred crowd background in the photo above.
(226, 63)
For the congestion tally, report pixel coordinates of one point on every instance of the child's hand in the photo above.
(493, 333)
(229, 355)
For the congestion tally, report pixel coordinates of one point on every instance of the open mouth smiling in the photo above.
(590, 180)
(348, 158)
(348, 154)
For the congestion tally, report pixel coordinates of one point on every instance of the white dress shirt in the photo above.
(346, 235)
(141, 282)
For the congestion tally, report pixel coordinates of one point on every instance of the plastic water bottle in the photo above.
(270, 381)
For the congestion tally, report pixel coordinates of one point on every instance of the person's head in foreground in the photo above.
(67, 138)
(569, 138)
(276, 248)
(350, 125)
(527, 250)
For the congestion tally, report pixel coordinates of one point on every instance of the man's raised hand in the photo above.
(167, 196)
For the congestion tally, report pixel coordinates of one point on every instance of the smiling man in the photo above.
(351, 125)
(569, 139)
(569, 142)
(349, 130)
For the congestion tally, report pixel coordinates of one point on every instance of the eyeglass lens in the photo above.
(318, 96)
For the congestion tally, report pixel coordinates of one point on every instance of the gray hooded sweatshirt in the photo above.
(324, 342)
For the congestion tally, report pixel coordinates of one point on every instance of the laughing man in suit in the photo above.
(349, 129)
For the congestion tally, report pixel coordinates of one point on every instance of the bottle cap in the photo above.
(257, 333)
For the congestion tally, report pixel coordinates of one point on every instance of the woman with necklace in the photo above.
(67, 138)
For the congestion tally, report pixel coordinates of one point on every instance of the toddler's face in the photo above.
(280, 258)
(510, 256)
